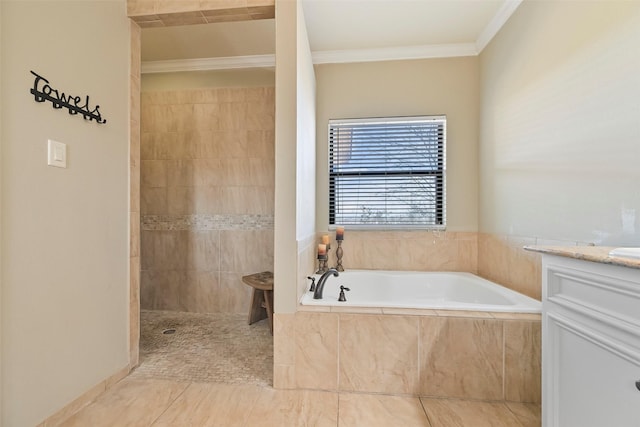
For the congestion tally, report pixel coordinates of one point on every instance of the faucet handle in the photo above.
(342, 298)
(313, 283)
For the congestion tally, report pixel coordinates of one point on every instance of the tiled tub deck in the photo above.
(429, 353)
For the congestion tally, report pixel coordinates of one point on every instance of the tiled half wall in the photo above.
(207, 190)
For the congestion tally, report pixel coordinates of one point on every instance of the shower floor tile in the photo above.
(195, 347)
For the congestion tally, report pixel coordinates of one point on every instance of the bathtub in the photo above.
(421, 290)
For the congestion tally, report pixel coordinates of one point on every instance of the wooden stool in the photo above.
(262, 298)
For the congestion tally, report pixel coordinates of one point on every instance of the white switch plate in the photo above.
(57, 154)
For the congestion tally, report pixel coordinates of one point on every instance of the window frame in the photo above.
(440, 173)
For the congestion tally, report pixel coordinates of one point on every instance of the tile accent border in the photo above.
(206, 222)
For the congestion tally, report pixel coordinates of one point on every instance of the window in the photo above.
(387, 173)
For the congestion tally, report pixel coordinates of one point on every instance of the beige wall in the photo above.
(207, 189)
(223, 39)
(64, 231)
(134, 193)
(407, 88)
(306, 158)
(285, 247)
(1, 222)
(559, 147)
(306, 134)
(559, 135)
(295, 111)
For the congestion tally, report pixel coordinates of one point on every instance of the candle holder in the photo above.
(325, 267)
(322, 264)
(339, 254)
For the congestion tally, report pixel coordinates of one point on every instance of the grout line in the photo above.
(420, 357)
(219, 268)
(513, 413)
(252, 408)
(504, 361)
(426, 414)
(339, 347)
(171, 404)
(338, 411)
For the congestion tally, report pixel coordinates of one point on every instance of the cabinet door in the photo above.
(590, 378)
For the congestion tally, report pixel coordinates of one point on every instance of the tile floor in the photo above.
(149, 397)
(155, 402)
(220, 348)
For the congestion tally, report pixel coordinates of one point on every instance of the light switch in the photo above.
(57, 154)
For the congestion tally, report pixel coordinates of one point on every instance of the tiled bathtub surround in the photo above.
(502, 259)
(499, 258)
(439, 353)
(207, 189)
(407, 250)
(474, 355)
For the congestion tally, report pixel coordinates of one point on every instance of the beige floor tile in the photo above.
(208, 405)
(131, 402)
(294, 408)
(528, 414)
(468, 413)
(358, 410)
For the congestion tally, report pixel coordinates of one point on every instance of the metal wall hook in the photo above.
(42, 91)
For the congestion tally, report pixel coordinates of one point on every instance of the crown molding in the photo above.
(499, 19)
(394, 53)
(345, 56)
(205, 64)
(318, 57)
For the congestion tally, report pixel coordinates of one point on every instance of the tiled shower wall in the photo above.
(207, 191)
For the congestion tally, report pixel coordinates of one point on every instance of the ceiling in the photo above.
(359, 24)
(346, 30)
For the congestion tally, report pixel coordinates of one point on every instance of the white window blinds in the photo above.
(388, 173)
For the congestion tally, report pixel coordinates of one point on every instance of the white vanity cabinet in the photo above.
(590, 344)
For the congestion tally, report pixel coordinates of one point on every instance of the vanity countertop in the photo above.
(587, 253)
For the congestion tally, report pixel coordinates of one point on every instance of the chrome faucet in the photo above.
(317, 294)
